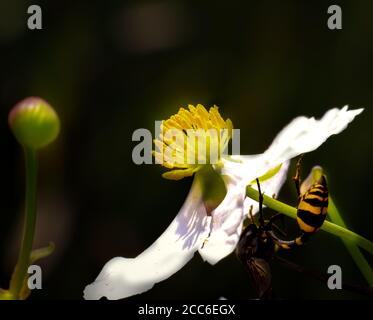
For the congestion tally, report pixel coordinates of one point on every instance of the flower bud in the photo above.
(314, 176)
(34, 123)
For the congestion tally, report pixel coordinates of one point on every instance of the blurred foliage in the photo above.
(110, 67)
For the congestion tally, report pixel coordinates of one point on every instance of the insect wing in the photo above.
(260, 276)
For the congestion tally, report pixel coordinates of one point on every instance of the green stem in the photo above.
(354, 251)
(20, 271)
(327, 226)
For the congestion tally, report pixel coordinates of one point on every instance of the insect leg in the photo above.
(296, 178)
(261, 218)
(251, 214)
(289, 244)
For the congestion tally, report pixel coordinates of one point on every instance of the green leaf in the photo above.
(269, 174)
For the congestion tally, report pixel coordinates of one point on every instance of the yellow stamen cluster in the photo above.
(176, 146)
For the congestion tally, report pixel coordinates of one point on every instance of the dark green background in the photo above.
(110, 67)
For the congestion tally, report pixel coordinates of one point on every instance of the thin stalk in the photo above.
(354, 251)
(20, 271)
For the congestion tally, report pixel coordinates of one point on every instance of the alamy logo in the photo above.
(335, 280)
(177, 147)
(34, 21)
(335, 20)
(35, 279)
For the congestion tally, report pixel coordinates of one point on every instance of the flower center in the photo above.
(190, 139)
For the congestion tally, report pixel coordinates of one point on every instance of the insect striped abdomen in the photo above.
(313, 207)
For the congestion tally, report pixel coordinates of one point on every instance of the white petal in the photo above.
(246, 168)
(121, 277)
(228, 217)
(269, 187)
(226, 224)
(307, 134)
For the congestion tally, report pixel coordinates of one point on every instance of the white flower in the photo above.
(122, 277)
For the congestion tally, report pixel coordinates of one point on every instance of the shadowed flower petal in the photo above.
(121, 277)
(228, 217)
(226, 224)
(270, 187)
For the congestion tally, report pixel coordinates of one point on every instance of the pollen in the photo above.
(190, 139)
